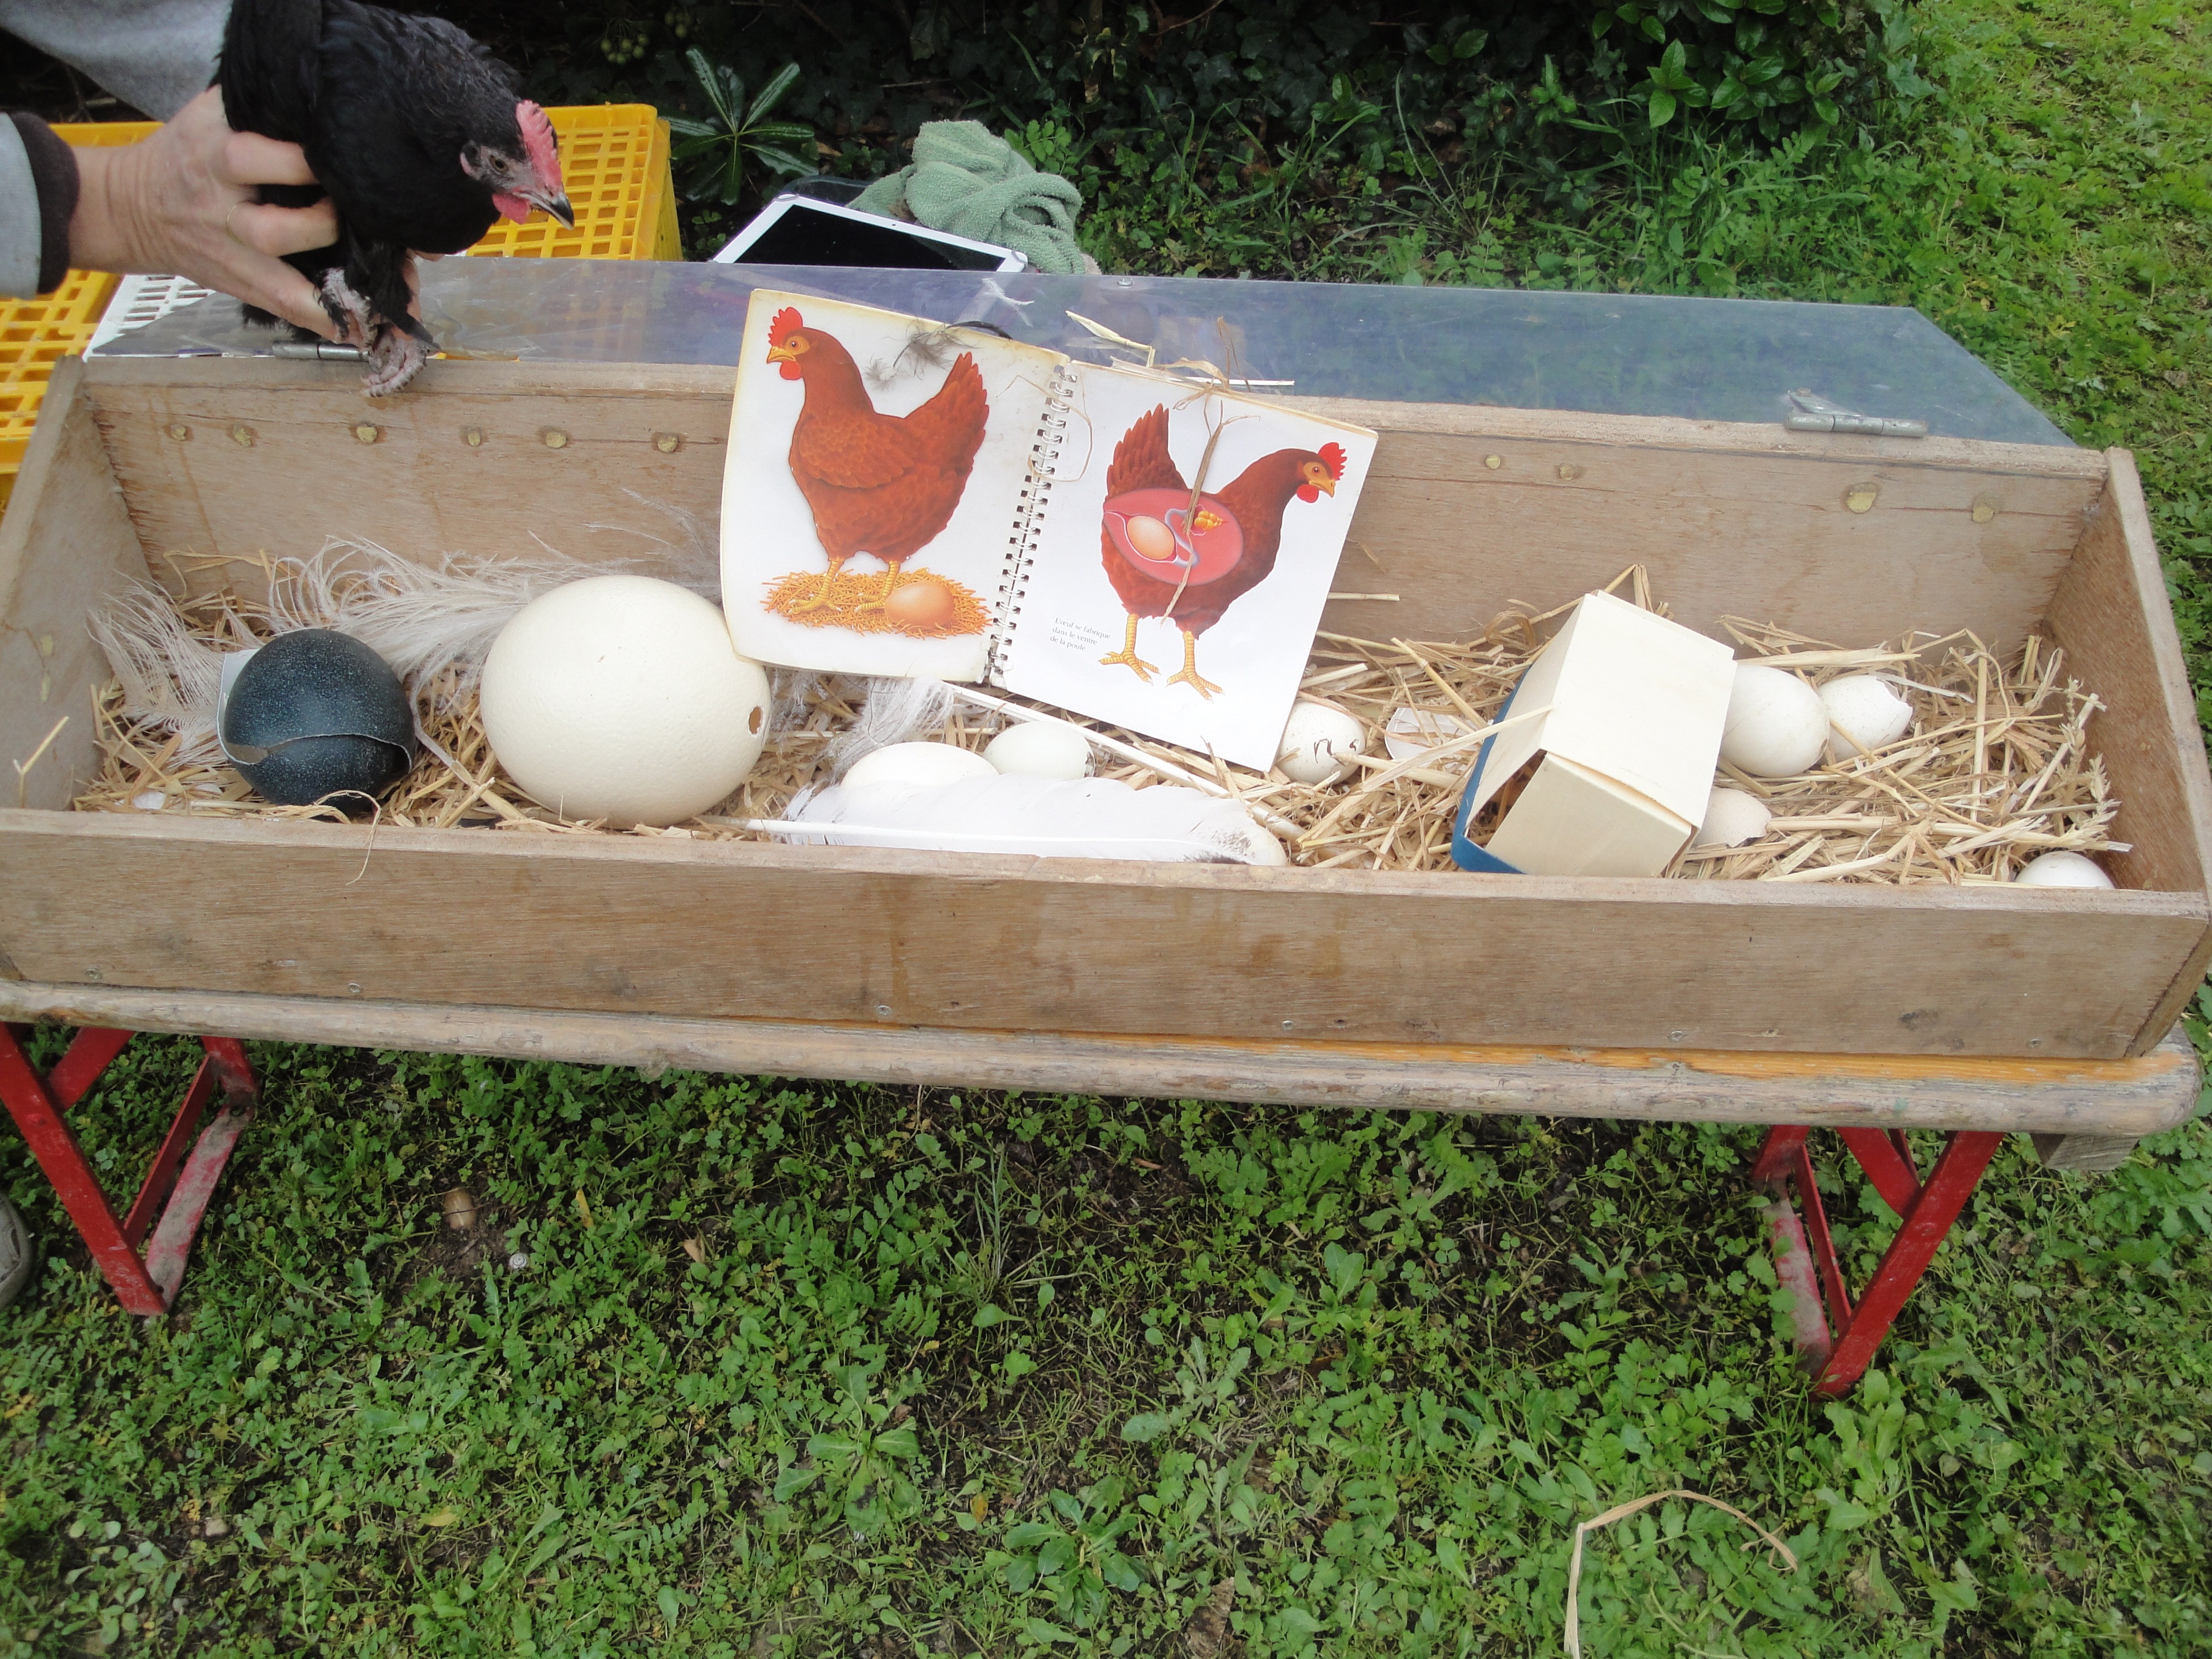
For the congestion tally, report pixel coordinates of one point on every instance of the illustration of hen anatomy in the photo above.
(1166, 559)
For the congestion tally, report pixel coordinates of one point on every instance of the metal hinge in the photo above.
(1814, 413)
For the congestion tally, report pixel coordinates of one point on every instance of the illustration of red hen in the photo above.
(885, 484)
(1166, 559)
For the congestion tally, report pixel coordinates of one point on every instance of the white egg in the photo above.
(1411, 732)
(2062, 870)
(1316, 739)
(1863, 714)
(922, 765)
(1732, 817)
(620, 697)
(1266, 849)
(1777, 724)
(1040, 749)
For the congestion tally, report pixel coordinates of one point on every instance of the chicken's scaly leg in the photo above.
(821, 598)
(1190, 675)
(1128, 657)
(891, 581)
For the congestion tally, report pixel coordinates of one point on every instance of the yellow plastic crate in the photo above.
(35, 335)
(614, 163)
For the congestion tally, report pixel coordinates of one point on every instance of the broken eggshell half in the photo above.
(315, 713)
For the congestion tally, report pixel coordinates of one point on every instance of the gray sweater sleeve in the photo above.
(19, 218)
(157, 55)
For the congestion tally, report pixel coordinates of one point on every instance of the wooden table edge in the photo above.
(2127, 1097)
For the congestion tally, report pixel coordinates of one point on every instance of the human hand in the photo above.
(181, 202)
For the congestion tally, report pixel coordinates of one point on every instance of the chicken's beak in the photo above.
(558, 205)
(777, 354)
(1327, 486)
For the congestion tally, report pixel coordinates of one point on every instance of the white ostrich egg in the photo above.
(622, 698)
(919, 765)
(1777, 724)
(1040, 749)
(1863, 714)
(2062, 869)
(1732, 817)
(1316, 739)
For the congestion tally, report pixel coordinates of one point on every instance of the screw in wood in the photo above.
(369, 432)
(180, 431)
(1860, 497)
(1494, 462)
(472, 436)
(242, 436)
(1985, 508)
(668, 443)
(1568, 470)
(553, 437)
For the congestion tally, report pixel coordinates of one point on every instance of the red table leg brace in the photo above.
(1836, 1346)
(177, 1190)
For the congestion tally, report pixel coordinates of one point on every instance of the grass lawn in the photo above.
(733, 1366)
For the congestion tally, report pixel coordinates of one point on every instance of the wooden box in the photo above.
(1230, 981)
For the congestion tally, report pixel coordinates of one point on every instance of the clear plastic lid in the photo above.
(1723, 360)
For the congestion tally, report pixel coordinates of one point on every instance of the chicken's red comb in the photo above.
(784, 322)
(1332, 457)
(539, 144)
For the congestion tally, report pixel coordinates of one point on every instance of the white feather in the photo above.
(168, 674)
(892, 711)
(421, 618)
(1086, 819)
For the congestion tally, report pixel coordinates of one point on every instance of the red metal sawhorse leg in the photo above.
(1836, 1346)
(177, 1187)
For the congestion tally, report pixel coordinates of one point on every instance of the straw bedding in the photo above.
(1995, 768)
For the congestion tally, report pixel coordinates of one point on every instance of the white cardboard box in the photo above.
(1624, 753)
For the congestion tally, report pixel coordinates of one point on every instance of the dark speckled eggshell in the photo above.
(329, 713)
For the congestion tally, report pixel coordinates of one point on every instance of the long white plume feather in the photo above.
(1086, 819)
(168, 674)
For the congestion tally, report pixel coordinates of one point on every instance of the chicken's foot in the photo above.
(891, 581)
(1190, 675)
(394, 356)
(1128, 657)
(822, 597)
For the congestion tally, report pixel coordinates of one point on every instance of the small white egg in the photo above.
(2062, 870)
(152, 800)
(1732, 817)
(922, 765)
(1863, 714)
(1316, 739)
(1040, 749)
(1411, 732)
(1777, 724)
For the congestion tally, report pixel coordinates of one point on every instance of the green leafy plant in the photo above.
(720, 152)
(860, 1462)
(1075, 1555)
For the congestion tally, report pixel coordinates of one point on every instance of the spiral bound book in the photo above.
(903, 498)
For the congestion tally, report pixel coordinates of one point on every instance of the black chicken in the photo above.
(414, 129)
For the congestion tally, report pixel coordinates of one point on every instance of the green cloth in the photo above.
(967, 179)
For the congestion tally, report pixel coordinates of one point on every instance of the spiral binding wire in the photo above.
(1028, 517)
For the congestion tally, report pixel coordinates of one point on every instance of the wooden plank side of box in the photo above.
(2091, 1106)
(1468, 510)
(66, 542)
(2112, 618)
(627, 924)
